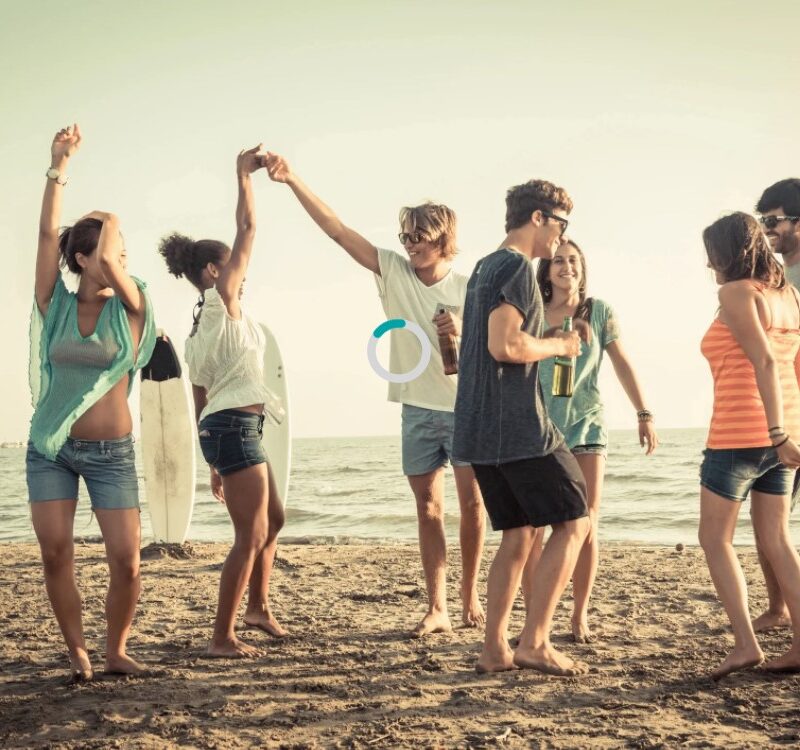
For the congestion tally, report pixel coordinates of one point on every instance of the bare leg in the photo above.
(593, 467)
(529, 570)
(258, 614)
(504, 577)
(771, 516)
(552, 574)
(429, 493)
(717, 526)
(247, 499)
(777, 614)
(122, 536)
(471, 534)
(52, 521)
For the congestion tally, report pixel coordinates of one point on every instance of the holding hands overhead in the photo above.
(65, 143)
(249, 160)
(277, 168)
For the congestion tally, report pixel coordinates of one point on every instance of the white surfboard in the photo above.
(168, 444)
(277, 436)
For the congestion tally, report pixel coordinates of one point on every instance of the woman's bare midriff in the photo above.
(254, 408)
(108, 419)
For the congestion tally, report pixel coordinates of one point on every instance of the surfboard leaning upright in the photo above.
(168, 444)
(277, 437)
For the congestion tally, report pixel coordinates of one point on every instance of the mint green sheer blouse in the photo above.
(70, 373)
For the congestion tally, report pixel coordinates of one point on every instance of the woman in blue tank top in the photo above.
(85, 350)
(580, 417)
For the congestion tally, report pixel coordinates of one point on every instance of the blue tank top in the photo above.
(70, 373)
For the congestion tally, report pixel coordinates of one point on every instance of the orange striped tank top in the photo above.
(738, 419)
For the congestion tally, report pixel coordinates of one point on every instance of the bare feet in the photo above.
(495, 660)
(472, 615)
(550, 661)
(123, 664)
(233, 648)
(581, 632)
(433, 622)
(264, 620)
(80, 668)
(738, 659)
(789, 663)
(770, 620)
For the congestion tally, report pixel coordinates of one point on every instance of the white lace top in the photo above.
(226, 357)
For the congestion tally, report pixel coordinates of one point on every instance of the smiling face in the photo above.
(422, 253)
(548, 235)
(784, 237)
(566, 269)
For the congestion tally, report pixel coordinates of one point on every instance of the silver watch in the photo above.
(54, 174)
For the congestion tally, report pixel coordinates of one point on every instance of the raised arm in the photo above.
(358, 248)
(233, 272)
(739, 311)
(509, 343)
(630, 384)
(65, 143)
(113, 262)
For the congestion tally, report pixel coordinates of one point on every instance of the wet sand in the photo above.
(349, 676)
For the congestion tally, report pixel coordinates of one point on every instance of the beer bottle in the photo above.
(564, 370)
(448, 346)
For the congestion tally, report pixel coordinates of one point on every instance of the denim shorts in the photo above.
(733, 472)
(596, 449)
(107, 466)
(231, 440)
(427, 440)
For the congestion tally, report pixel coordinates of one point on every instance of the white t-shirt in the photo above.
(226, 357)
(403, 295)
(793, 274)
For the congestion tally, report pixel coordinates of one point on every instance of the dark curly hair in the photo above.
(534, 195)
(82, 237)
(784, 194)
(188, 258)
(738, 249)
(584, 310)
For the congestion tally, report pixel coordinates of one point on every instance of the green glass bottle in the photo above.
(564, 370)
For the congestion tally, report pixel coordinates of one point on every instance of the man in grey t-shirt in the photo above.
(779, 209)
(527, 476)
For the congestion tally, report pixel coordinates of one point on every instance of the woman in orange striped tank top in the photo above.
(752, 347)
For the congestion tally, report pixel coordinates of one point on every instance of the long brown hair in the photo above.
(738, 249)
(584, 309)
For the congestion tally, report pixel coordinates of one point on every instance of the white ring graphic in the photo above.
(425, 354)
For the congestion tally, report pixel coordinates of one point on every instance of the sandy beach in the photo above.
(349, 676)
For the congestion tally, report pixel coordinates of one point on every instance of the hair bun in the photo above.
(176, 250)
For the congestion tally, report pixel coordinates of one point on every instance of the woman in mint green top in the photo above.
(85, 349)
(562, 282)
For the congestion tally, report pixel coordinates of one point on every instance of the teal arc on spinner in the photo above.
(425, 354)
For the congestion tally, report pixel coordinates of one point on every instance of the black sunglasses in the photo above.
(413, 237)
(770, 222)
(560, 219)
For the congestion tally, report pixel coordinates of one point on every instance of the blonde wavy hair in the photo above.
(435, 222)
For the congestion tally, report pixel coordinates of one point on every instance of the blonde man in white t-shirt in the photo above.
(414, 287)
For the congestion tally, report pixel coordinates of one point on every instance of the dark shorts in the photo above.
(107, 466)
(733, 472)
(533, 492)
(231, 440)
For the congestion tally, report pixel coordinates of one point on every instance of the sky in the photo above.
(656, 118)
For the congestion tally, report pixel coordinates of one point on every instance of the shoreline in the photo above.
(349, 676)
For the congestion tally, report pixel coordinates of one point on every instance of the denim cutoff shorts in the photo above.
(427, 440)
(733, 472)
(107, 466)
(231, 440)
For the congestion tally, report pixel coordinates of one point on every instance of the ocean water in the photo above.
(349, 490)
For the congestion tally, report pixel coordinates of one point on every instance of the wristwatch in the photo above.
(54, 174)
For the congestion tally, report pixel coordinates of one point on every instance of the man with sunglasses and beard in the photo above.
(779, 214)
(417, 286)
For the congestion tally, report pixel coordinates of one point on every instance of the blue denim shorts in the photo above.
(107, 466)
(427, 440)
(231, 440)
(733, 472)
